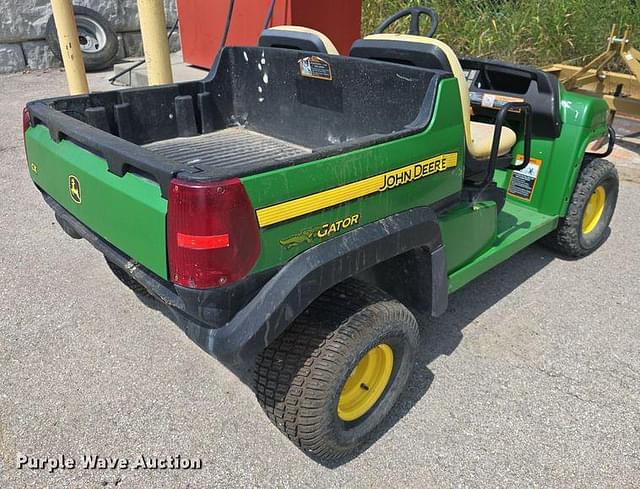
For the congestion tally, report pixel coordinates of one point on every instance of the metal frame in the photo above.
(70, 46)
(621, 91)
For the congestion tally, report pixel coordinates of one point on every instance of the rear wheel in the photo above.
(586, 225)
(334, 375)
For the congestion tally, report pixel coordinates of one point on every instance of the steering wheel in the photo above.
(415, 13)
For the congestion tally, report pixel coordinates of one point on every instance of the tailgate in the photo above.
(128, 212)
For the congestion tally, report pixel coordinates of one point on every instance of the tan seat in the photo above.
(478, 135)
(482, 138)
(297, 37)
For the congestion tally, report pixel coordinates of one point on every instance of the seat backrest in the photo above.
(296, 37)
(420, 51)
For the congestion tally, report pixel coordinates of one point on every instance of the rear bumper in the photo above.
(234, 324)
(210, 308)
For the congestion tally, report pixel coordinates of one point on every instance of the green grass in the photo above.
(531, 32)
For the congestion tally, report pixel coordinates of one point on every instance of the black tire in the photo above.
(569, 238)
(126, 279)
(299, 377)
(102, 55)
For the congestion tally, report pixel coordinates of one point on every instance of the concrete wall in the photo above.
(23, 24)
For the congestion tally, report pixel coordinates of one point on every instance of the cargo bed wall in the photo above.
(146, 115)
(263, 89)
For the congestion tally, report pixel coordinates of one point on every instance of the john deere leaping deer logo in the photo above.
(306, 236)
(74, 189)
(321, 232)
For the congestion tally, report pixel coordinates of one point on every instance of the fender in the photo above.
(311, 273)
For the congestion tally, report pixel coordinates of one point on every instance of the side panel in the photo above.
(285, 239)
(584, 120)
(467, 232)
(518, 227)
(128, 212)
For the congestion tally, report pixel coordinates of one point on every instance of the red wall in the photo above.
(202, 23)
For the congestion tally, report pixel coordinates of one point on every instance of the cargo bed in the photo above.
(254, 112)
(232, 149)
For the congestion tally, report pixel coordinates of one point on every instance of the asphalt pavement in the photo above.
(532, 379)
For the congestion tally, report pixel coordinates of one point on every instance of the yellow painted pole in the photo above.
(70, 46)
(153, 25)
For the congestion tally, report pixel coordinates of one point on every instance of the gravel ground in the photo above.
(532, 379)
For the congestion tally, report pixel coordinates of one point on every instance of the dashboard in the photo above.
(486, 97)
(492, 84)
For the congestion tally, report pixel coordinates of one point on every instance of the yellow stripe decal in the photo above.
(284, 211)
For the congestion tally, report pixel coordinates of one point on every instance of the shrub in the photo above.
(534, 32)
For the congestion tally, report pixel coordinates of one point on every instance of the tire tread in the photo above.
(565, 239)
(295, 374)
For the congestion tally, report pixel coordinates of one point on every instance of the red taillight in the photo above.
(26, 120)
(202, 242)
(26, 123)
(212, 233)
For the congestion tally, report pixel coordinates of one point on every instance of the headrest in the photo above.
(296, 37)
(410, 50)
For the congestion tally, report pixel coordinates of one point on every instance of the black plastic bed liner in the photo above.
(255, 111)
(229, 149)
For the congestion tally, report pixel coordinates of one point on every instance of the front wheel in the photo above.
(334, 375)
(586, 225)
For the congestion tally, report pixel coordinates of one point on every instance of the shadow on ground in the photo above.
(441, 336)
(628, 133)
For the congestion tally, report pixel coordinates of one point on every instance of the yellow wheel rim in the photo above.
(366, 383)
(593, 211)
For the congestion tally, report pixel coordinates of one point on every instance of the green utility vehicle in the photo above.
(295, 208)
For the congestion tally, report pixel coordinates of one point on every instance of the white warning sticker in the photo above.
(523, 182)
